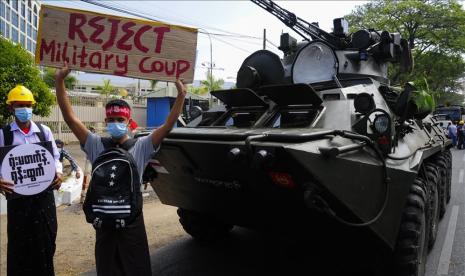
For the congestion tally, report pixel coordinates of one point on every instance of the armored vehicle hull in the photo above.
(333, 154)
(315, 182)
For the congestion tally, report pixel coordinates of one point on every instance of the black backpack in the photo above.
(114, 198)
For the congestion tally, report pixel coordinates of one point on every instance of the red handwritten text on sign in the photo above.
(115, 45)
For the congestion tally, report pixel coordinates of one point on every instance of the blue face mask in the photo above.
(117, 130)
(23, 114)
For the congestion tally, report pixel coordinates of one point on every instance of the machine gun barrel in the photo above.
(299, 25)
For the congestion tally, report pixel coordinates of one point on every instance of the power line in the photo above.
(137, 13)
(232, 35)
(194, 23)
(267, 40)
(107, 6)
(232, 45)
(226, 35)
(151, 17)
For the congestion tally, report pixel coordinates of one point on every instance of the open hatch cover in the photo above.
(291, 94)
(239, 97)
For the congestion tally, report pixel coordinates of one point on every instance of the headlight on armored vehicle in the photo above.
(381, 126)
(382, 123)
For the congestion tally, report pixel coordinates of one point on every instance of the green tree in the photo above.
(17, 67)
(435, 31)
(153, 83)
(197, 90)
(443, 72)
(106, 89)
(211, 83)
(49, 78)
(428, 25)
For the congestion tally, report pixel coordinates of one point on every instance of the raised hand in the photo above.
(182, 90)
(60, 74)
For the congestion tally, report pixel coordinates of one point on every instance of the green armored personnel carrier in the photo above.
(317, 144)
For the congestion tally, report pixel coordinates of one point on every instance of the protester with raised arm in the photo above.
(121, 244)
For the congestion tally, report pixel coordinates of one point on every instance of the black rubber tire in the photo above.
(442, 185)
(203, 227)
(447, 158)
(433, 203)
(411, 247)
(448, 155)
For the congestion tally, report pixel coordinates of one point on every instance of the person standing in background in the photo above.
(64, 154)
(452, 131)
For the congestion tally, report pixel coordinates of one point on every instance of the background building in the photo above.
(19, 20)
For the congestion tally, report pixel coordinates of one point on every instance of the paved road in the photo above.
(248, 253)
(448, 254)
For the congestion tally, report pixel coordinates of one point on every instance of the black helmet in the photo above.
(59, 143)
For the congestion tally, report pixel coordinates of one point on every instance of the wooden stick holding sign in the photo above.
(101, 43)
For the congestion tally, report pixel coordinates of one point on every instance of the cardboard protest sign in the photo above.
(101, 43)
(31, 167)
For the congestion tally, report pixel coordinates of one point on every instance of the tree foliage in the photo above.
(435, 31)
(428, 25)
(212, 83)
(17, 67)
(209, 84)
(106, 89)
(153, 83)
(49, 78)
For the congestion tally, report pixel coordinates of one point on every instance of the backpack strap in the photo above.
(128, 144)
(41, 133)
(7, 135)
(108, 142)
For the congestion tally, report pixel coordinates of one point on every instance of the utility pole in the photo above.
(211, 71)
(138, 87)
(264, 39)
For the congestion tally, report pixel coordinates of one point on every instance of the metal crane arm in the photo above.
(299, 25)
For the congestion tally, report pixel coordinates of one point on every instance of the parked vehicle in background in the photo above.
(454, 112)
(443, 120)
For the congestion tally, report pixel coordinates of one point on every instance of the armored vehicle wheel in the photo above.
(442, 185)
(448, 156)
(202, 227)
(411, 249)
(433, 194)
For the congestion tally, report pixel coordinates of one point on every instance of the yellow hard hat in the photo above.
(461, 122)
(20, 94)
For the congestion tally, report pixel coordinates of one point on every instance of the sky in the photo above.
(243, 19)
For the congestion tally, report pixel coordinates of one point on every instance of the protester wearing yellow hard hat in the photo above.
(20, 100)
(32, 221)
(20, 94)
